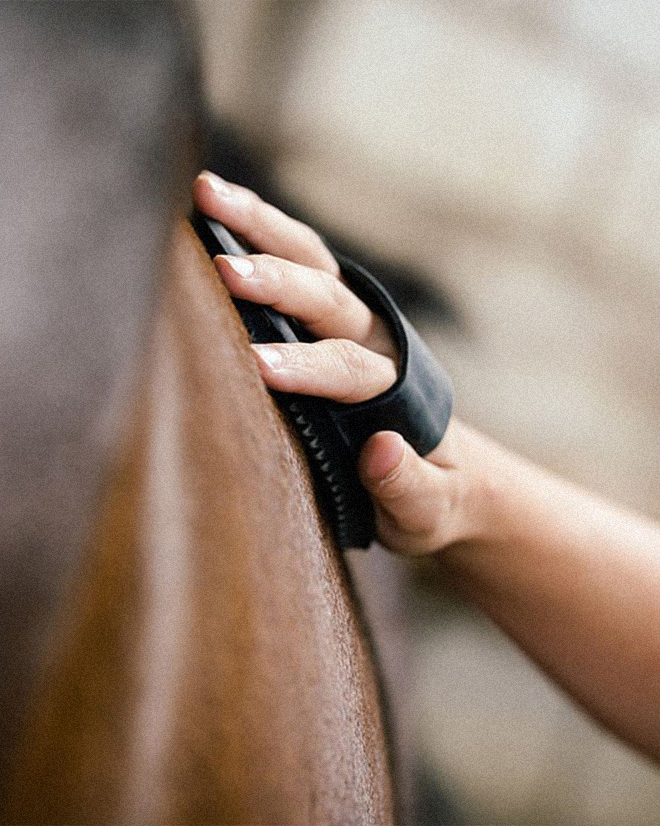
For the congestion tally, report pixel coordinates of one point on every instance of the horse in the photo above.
(180, 639)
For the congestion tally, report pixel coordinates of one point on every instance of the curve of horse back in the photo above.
(211, 666)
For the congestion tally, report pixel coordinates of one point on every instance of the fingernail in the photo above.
(243, 266)
(216, 183)
(269, 355)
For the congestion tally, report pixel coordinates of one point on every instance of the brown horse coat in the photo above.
(178, 641)
(212, 668)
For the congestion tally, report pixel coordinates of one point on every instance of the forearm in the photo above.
(574, 580)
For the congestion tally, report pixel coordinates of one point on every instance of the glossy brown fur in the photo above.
(178, 641)
(211, 667)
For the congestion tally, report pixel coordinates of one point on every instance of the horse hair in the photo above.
(100, 108)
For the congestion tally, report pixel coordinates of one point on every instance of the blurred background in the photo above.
(498, 163)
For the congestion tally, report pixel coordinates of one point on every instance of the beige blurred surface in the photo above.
(511, 151)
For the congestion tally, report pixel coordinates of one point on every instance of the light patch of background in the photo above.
(511, 151)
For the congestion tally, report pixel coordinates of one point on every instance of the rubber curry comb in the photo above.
(418, 405)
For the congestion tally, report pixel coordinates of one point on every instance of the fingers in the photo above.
(264, 226)
(323, 303)
(299, 277)
(336, 369)
(415, 500)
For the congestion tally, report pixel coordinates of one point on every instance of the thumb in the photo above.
(410, 493)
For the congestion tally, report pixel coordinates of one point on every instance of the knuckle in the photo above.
(311, 237)
(398, 536)
(395, 486)
(311, 361)
(315, 244)
(432, 527)
(409, 503)
(339, 296)
(329, 263)
(353, 363)
(306, 361)
(395, 537)
(253, 204)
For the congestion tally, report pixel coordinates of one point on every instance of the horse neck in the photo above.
(213, 668)
(95, 146)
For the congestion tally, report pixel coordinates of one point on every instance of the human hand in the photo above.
(421, 504)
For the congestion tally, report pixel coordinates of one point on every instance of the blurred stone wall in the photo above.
(511, 151)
